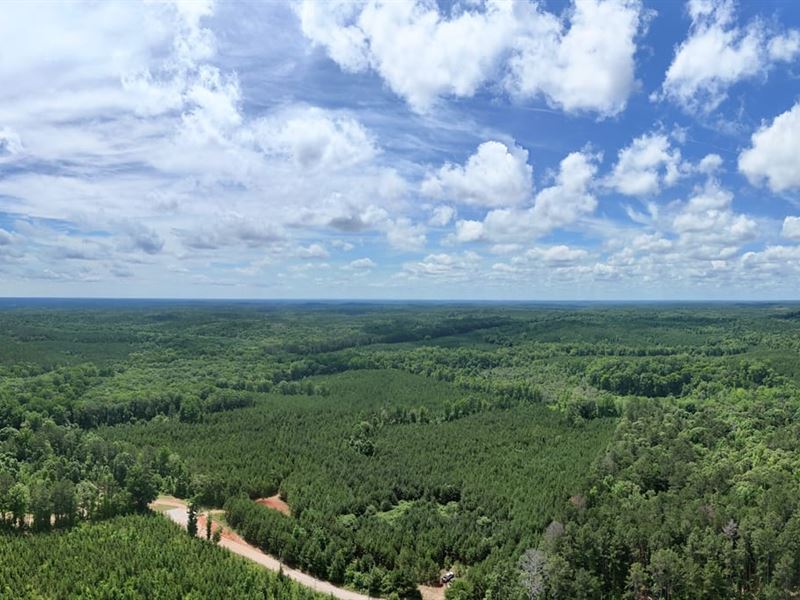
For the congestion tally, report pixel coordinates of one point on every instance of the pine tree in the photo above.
(191, 524)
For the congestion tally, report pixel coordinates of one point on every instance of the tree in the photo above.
(64, 503)
(665, 569)
(191, 521)
(87, 495)
(636, 584)
(191, 410)
(209, 528)
(41, 506)
(533, 565)
(19, 499)
(6, 482)
(141, 485)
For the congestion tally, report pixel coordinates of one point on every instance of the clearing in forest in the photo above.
(275, 503)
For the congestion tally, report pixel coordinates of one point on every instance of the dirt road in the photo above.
(176, 510)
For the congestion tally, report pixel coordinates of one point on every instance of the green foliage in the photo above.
(482, 484)
(693, 502)
(61, 474)
(191, 519)
(136, 557)
(413, 439)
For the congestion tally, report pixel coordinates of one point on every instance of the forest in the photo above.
(537, 451)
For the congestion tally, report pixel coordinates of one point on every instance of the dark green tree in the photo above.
(191, 519)
(141, 485)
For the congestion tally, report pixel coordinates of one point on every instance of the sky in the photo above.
(529, 150)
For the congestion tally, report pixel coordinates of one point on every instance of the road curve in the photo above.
(231, 541)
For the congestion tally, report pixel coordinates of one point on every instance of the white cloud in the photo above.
(163, 131)
(469, 231)
(785, 47)
(646, 165)
(651, 242)
(554, 207)
(718, 54)
(232, 230)
(587, 66)
(709, 164)
(708, 227)
(770, 263)
(583, 64)
(457, 267)
(316, 251)
(496, 175)
(313, 138)
(10, 142)
(775, 153)
(570, 198)
(441, 216)
(791, 228)
(403, 234)
(420, 53)
(362, 264)
(326, 24)
(560, 254)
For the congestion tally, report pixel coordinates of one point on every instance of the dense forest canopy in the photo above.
(538, 451)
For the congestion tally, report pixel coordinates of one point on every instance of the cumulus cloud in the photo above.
(785, 47)
(709, 164)
(157, 162)
(361, 264)
(456, 267)
(588, 65)
(469, 231)
(556, 206)
(708, 227)
(496, 175)
(316, 251)
(404, 234)
(791, 228)
(441, 216)
(571, 197)
(584, 62)
(313, 138)
(769, 263)
(560, 254)
(774, 155)
(718, 53)
(645, 166)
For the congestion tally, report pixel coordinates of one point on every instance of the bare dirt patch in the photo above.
(276, 503)
(430, 592)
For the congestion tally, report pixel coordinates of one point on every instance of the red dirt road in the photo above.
(176, 510)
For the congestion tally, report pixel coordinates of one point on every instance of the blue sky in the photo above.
(595, 149)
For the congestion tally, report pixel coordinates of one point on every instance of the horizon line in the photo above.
(410, 300)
